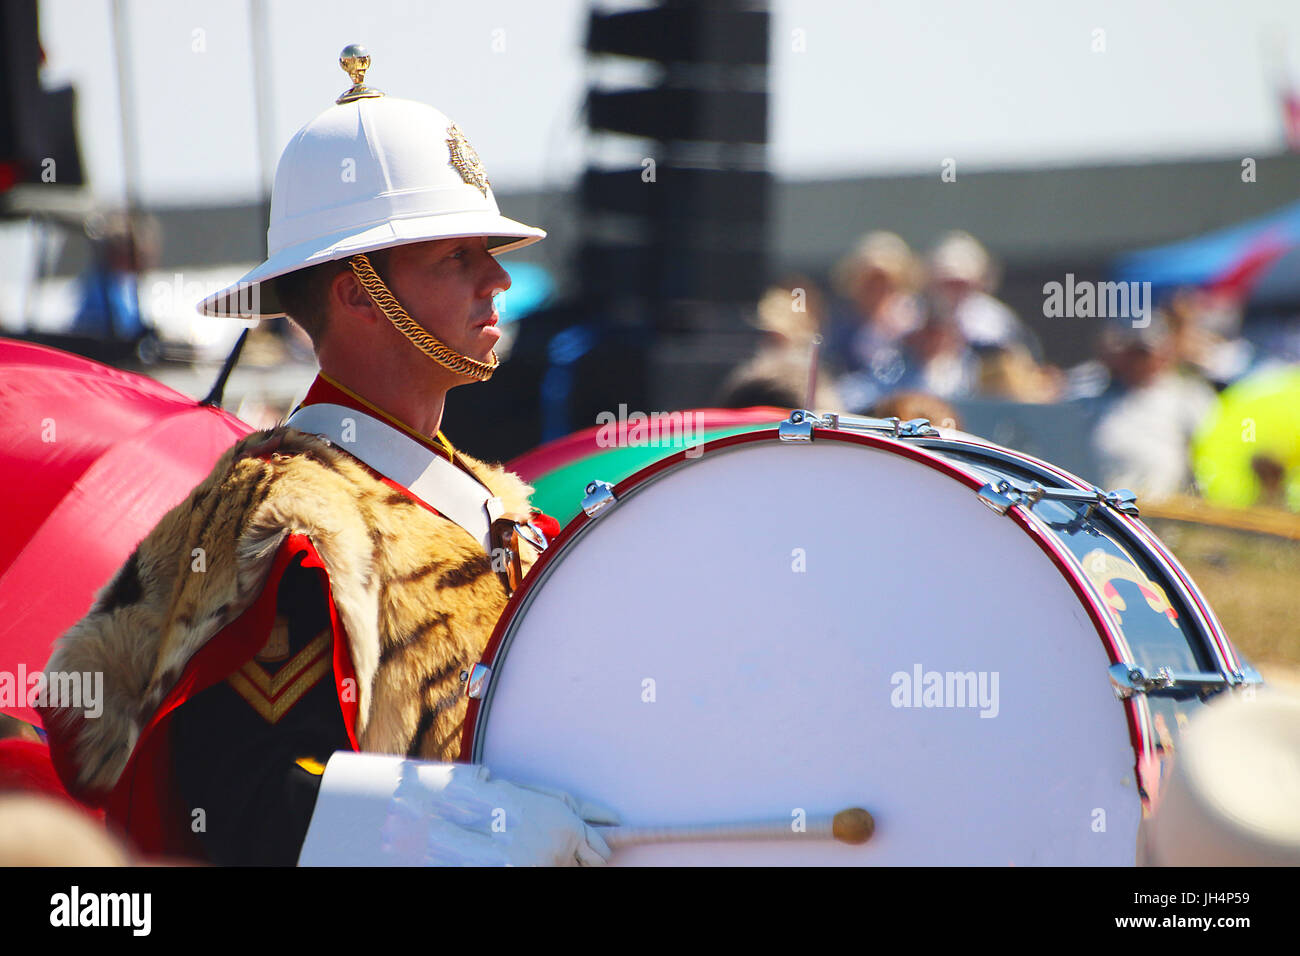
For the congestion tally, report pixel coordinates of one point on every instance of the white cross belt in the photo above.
(433, 479)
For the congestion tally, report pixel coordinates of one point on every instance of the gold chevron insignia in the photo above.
(274, 696)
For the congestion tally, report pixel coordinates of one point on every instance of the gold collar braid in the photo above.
(445, 356)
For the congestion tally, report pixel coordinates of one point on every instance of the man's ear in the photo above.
(347, 296)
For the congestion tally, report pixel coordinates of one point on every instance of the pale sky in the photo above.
(858, 87)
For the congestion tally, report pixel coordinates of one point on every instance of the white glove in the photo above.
(381, 810)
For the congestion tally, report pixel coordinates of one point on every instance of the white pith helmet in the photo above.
(370, 172)
(1233, 797)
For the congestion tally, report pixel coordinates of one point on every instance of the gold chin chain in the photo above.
(445, 356)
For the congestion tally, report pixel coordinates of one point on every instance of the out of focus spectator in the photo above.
(939, 360)
(961, 277)
(1150, 411)
(1205, 330)
(1248, 452)
(778, 378)
(909, 405)
(122, 247)
(789, 315)
(876, 283)
(935, 359)
(1010, 373)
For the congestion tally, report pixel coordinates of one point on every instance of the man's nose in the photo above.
(498, 277)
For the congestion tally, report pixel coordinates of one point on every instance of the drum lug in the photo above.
(533, 535)
(476, 683)
(1002, 495)
(915, 428)
(1247, 675)
(600, 494)
(997, 496)
(1129, 679)
(1123, 501)
(799, 426)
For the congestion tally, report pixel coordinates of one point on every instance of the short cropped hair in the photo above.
(304, 293)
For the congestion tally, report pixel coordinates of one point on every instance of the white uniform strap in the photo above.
(433, 479)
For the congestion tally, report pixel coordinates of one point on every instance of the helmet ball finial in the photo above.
(355, 61)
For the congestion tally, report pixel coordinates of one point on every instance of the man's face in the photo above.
(447, 286)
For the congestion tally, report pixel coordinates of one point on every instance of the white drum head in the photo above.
(741, 638)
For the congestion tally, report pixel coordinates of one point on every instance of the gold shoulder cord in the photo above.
(447, 357)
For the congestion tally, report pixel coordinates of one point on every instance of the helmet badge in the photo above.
(466, 160)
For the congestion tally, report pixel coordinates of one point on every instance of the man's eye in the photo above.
(458, 254)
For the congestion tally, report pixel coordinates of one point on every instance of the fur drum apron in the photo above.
(415, 596)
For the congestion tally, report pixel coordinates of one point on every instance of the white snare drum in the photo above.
(837, 617)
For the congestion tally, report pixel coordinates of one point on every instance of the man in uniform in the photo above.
(317, 600)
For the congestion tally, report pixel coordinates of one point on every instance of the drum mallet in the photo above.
(853, 825)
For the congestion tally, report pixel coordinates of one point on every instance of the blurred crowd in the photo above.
(1192, 401)
(1173, 404)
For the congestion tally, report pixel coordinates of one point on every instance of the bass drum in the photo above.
(977, 648)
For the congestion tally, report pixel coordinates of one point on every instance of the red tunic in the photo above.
(146, 804)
